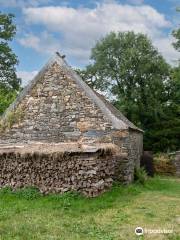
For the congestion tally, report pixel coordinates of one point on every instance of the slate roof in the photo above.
(118, 120)
(118, 113)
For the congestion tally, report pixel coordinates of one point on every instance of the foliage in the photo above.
(9, 82)
(176, 35)
(89, 74)
(113, 215)
(134, 72)
(13, 117)
(7, 96)
(140, 175)
(130, 68)
(8, 59)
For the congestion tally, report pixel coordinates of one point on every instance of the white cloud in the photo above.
(26, 76)
(79, 29)
(31, 41)
(165, 47)
(103, 18)
(43, 43)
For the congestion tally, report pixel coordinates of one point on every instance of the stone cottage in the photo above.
(61, 135)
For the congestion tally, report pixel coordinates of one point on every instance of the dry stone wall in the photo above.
(57, 110)
(130, 142)
(88, 173)
(135, 149)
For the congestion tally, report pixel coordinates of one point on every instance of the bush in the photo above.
(13, 117)
(140, 175)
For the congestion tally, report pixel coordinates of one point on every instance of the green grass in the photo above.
(27, 215)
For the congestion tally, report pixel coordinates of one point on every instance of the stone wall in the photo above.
(88, 173)
(57, 110)
(135, 147)
(130, 142)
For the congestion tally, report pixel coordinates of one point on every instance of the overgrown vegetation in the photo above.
(163, 164)
(26, 214)
(6, 98)
(140, 175)
(13, 117)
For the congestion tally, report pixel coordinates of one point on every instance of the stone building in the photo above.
(61, 135)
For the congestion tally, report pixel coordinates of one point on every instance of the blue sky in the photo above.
(72, 27)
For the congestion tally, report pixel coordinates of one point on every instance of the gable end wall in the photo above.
(56, 110)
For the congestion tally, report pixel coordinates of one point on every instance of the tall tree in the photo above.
(176, 34)
(164, 134)
(174, 100)
(9, 82)
(129, 67)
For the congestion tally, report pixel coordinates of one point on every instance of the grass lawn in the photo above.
(26, 215)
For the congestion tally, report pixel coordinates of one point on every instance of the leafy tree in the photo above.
(176, 34)
(9, 82)
(173, 109)
(89, 74)
(129, 67)
(164, 135)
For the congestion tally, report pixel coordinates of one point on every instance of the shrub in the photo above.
(13, 117)
(140, 175)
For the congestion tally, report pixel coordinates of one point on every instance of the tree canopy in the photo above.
(8, 59)
(9, 82)
(176, 35)
(132, 70)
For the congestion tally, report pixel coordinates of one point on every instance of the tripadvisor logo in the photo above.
(139, 231)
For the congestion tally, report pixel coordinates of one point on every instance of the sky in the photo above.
(73, 27)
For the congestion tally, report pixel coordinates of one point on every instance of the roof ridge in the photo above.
(28, 88)
(117, 123)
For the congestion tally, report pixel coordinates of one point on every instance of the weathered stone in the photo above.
(60, 107)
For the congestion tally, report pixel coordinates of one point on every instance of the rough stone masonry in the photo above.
(58, 107)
